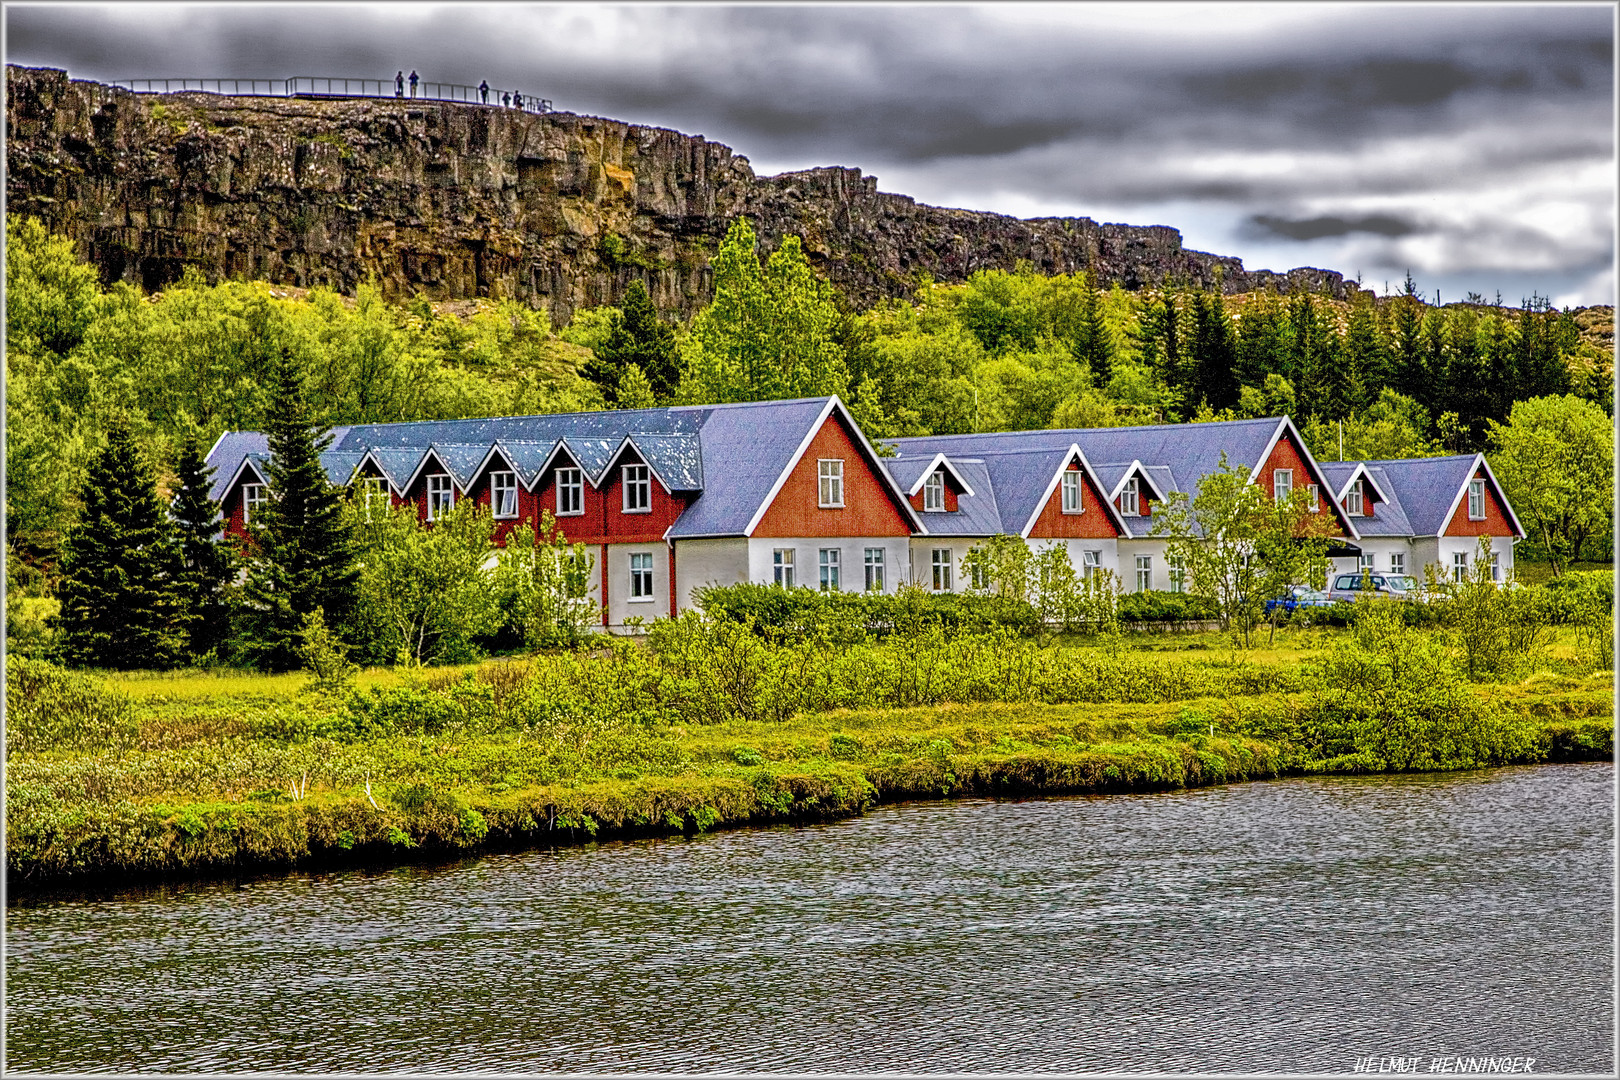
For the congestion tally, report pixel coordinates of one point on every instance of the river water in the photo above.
(1294, 925)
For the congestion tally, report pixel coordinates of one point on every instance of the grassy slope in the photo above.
(205, 784)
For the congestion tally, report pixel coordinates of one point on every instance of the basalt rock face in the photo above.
(459, 201)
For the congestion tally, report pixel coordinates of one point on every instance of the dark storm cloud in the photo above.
(1278, 116)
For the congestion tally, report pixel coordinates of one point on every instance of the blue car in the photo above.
(1299, 596)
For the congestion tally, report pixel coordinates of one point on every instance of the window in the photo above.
(1129, 502)
(641, 583)
(1316, 499)
(1178, 574)
(1476, 500)
(1071, 492)
(373, 495)
(978, 567)
(1459, 565)
(829, 570)
(1397, 562)
(1090, 563)
(252, 498)
(637, 490)
(1144, 573)
(782, 567)
(570, 492)
(874, 569)
(503, 494)
(441, 495)
(942, 569)
(1496, 568)
(1367, 562)
(830, 481)
(1352, 500)
(934, 492)
(1282, 482)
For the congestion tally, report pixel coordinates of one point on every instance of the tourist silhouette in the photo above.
(413, 84)
(399, 84)
(483, 91)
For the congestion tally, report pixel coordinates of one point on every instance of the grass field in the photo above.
(199, 772)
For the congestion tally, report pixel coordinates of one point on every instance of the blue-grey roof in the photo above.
(339, 465)
(1338, 473)
(398, 464)
(978, 514)
(226, 457)
(1426, 488)
(745, 448)
(1389, 516)
(461, 460)
(678, 459)
(1020, 477)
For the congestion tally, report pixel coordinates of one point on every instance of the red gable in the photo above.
(1286, 455)
(1494, 523)
(870, 507)
(1093, 520)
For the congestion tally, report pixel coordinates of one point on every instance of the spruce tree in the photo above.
(304, 556)
(1214, 352)
(205, 562)
(641, 338)
(1366, 364)
(1406, 348)
(120, 600)
(1261, 341)
(1093, 341)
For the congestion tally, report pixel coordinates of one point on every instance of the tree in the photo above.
(770, 332)
(640, 338)
(544, 584)
(1365, 362)
(426, 588)
(1214, 353)
(205, 563)
(1555, 459)
(119, 593)
(1093, 341)
(1392, 427)
(302, 547)
(1411, 376)
(1239, 547)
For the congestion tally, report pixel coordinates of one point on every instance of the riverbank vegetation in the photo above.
(712, 721)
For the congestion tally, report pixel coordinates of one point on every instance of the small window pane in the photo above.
(782, 567)
(1071, 492)
(1282, 482)
(942, 561)
(934, 493)
(1476, 500)
(641, 576)
(1459, 565)
(1397, 563)
(570, 492)
(1128, 500)
(441, 496)
(874, 569)
(637, 489)
(1144, 573)
(252, 498)
(830, 481)
(828, 565)
(503, 494)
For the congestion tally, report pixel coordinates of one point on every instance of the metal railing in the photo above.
(321, 86)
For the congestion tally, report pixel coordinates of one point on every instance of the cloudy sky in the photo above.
(1473, 144)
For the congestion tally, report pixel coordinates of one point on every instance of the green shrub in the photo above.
(1158, 606)
(49, 708)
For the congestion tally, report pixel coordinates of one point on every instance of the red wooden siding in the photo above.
(604, 519)
(1093, 521)
(869, 509)
(482, 493)
(1286, 455)
(1496, 520)
(1144, 497)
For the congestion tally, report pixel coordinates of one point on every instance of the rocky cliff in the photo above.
(457, 201)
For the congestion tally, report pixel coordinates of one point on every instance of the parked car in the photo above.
(1347, 587)
(1299, 596)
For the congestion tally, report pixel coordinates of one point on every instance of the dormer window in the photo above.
(253, 497)
(637, 490)
(934, 492)
(374, 495)
(503, 501)
(1352, 502)
(441, 496)
(1072, 503)
(1476, 500)
(1130, 501)
(570, 492)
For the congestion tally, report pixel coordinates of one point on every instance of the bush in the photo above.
(1158, 606)
(48, 708)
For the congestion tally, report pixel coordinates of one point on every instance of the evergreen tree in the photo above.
(1161, 347)
(638, 337)
(1261, 340)
(1214, 352)
(205, 562)
(1093, 341)
(1365, 362)
(303, 556)
(1541, 369)
(1313, 355)
(1432, 362)
(1406, 348)
(120, 601)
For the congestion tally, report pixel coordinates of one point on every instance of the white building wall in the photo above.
(851, 560)
(922, 559)
(1381, 549)
(620, 605)
(1107, 551)
(699, 563)
(1159, 567)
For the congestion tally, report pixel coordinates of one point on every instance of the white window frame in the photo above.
(934, 493)
(1090, 563)
(1130, 499)
(1496, 565)
(503, 483)
(641, 577)
(829, 483)
(1144, 573)
(1368, 561)
(874, 564)
(373, 491)
(253, 495)
(1476, 500)
(570, 482)
(782, 567)
(1353, 505)
(1178, 574)
(1282, 484)
(638, 479)
(441, 495)
(941, 561)
(1397, 562)
(829, 568)
(1316, 498)
(1459, 566)
(1074, 501)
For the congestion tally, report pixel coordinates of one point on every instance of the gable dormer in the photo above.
(939, 488)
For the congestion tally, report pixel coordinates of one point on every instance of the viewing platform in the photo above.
(314, 86)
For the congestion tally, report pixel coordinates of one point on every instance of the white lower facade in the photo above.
(1451, 556)
(637, 581)
(836, 564)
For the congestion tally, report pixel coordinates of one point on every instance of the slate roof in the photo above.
(1428, 487)
(976, 515)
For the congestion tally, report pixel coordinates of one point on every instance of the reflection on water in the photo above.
(1294, 925)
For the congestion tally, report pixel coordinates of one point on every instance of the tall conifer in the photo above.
(120, 602)
(304, 555)
(205, 562)
(640, 338)
(1214, 352)
(1093, 341)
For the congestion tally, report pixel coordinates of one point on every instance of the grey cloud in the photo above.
(1316, 228)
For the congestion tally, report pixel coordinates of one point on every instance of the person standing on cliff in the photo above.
(413, 84)
(517, 100)
(399, 84)
(506, 101)
(483, 91)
